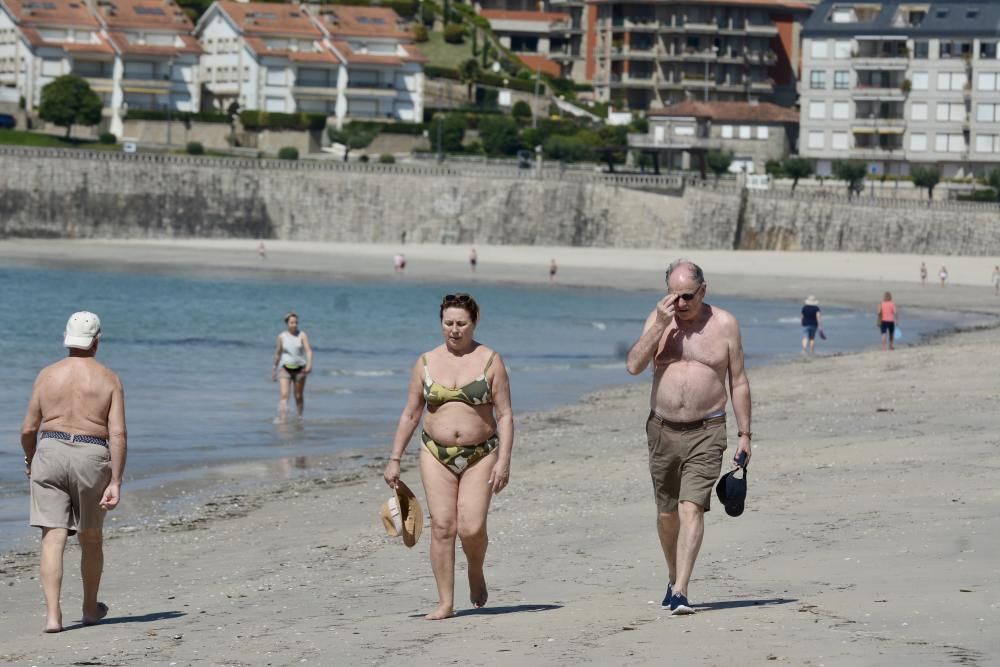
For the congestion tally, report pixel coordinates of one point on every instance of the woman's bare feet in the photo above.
(53, 624)
(442, 612)
(101, 612)
(478, 594)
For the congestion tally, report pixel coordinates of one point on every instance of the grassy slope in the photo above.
(22, 138)
(443, 54)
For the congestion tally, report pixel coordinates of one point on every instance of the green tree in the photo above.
(499, 135)
(926, 177)
(851, 172)
(612, 143)
(796, 168)
(718, 162)
(521, 111)
(469, 72)
(454, 33)
(993, 178)
(353, 137)
(69, 101)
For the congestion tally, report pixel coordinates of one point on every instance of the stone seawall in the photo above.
(65, 195)
(71, 194)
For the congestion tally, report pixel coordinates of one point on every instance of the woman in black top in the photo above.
(811, 322)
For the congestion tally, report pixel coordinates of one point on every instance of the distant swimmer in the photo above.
(923, 274)
(553, 268)
(468, 435)
(996, 280)
(473, 259)
(74, 440)
(943, 275)
(694, 348)
(293, 360)
(399, 262)
(262, 250)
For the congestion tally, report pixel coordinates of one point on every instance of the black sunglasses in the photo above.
(457, 298)
(689, 296)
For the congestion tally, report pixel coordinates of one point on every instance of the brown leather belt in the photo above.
(687, 426)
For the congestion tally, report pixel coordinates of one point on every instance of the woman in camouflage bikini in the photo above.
(468, 435)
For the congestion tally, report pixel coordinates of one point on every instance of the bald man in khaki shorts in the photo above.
(74, 442)
(695, 348)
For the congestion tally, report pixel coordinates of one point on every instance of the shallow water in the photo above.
(194, 354)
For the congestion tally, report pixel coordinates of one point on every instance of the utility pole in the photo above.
(534, 116)
(170, 95)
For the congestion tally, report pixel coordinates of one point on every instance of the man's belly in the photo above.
(686, 391)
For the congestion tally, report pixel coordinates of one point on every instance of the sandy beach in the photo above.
(870, 535)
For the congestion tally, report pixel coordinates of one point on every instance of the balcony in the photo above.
(885, 92)
(761, 29)
(673, 142)
(763, 86)
(891, 64)
(100, 84)
(642, 25)
(879, 122)
(151, 86)
(314, 92)
(698, 81)
(767, 58)
(702, 27)
(639, 53)
(372, 89)
(708, 55)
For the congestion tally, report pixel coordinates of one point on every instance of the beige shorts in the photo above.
(684, 464)
(68, 480)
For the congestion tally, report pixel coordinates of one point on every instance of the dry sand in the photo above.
(870, 536)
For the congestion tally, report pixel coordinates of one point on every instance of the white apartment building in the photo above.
(133, 53)
(900, 83)
(346, 62)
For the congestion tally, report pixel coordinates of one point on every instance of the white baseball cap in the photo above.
(81, 330)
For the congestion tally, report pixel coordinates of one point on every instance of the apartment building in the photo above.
(547, 35)
(652, 54)
(346, 62)
(899, 83)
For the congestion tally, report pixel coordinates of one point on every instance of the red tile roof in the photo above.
(122, 45)
(541, 63)
(510, 15)
(55, 13)
(764, 4)
(749, 112)
(354, 58)
(158, 15)
(272, 19)
(259, 46)
(351, 21)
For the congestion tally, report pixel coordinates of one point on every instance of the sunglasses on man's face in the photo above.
(689, 296)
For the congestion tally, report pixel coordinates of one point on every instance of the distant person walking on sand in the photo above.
(262, 250)
(923, 274)
(77, 408)
(399, 262)
(996, 279)
(473, 259)
(553, 267)
(465, 387)
(694, 348)
(812, 321)
(293, 360)
(943, 275)
(887, 318)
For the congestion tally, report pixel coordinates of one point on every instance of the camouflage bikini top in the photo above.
(476, 392)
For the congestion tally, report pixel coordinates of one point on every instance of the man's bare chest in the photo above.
(698, 347)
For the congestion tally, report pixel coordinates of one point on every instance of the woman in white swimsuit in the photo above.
(293, 357)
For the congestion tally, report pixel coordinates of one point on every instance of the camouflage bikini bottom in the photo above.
(458, 458)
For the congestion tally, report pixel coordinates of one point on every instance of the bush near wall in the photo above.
(180, 116)
(442, 72)
(410, 129)
(288, 153)
(254, 119)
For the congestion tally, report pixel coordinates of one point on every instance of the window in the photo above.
(51, 67)
(838, 141)
(921, 50)
(817, 79)
(920, 80)
(684, 130)
(817, 110)
(816, 139)
(987, 50)
(985, 143)
(918, 142)
(951, 81)
(987, 81)
(949, 143)
(818, 50)
(842, 49)
(745, 132)
(841, 110)
(276, 77)
(274, 104)
(987, 113)
(843, 15)
(727, 131)
(841, 80)
(763, 132)
(918, 111)
(950, 111)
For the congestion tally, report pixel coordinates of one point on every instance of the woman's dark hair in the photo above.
(463, 301)
(290, 316)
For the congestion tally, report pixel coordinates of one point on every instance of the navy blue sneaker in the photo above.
(666, 598)
(679, 605)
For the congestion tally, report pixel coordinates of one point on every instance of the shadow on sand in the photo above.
(145, 618)
(493, 611)
(737, 604)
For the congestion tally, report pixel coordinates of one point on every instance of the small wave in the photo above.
(361, 373)
(542, 367)
(600, 326)
(616, 365)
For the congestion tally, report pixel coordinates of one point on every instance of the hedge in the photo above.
(181, 116)
(413, 129)
(442, 72)
(254, 119)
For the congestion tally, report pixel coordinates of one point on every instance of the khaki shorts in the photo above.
(684, 465)
(68, 480)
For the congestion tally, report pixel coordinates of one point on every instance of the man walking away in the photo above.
(74, 442)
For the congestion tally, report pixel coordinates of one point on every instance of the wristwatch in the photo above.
(740, 434)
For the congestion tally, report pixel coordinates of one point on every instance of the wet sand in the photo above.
(869, 538)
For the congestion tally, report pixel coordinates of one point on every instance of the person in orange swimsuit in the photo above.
(468, 435)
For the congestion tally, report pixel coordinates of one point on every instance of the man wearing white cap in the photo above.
(74, 442)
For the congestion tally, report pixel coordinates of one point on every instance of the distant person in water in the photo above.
(473, 259)
(74, 442)
(812, 321)
(553, 268)
(943, 275)
(923, 274)
(468, 435)
(261, 250)
(293, 360)
(996, 279)
(399, 262)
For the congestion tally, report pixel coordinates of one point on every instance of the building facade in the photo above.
(754, 132)
(644, 55)
(900, 83)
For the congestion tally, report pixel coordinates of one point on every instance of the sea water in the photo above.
(195, 356)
